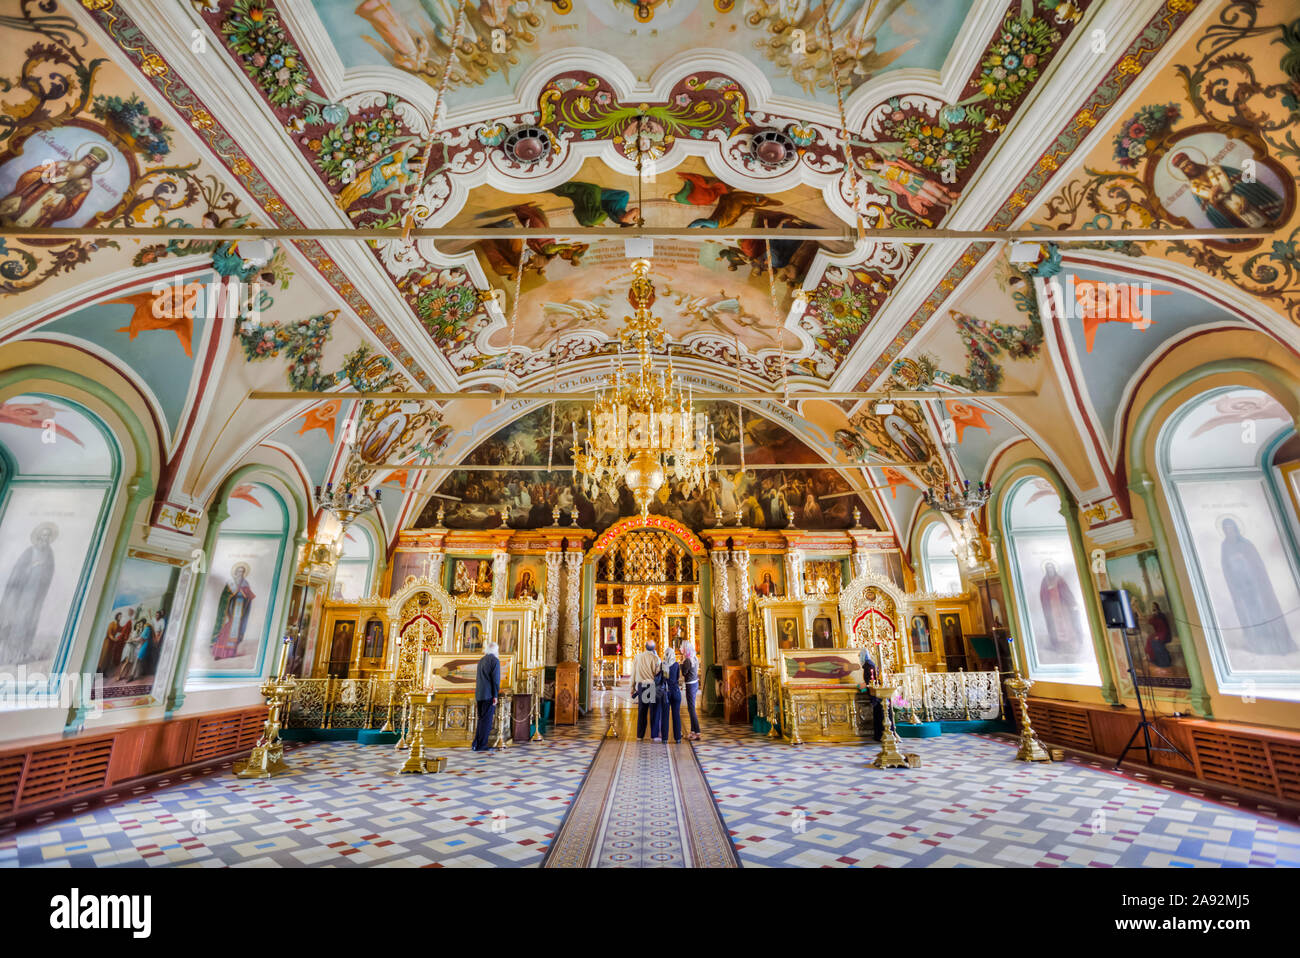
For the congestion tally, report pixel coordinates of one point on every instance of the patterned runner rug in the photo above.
(642, 805)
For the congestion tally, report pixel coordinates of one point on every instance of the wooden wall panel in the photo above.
(45, 774)
(1254, 759)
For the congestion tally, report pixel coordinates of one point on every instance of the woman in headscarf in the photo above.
(690, 676)
(671, 703)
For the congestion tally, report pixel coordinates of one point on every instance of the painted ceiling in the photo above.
(1046, 113)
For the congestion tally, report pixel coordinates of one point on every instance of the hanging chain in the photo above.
(740, 410)
(555, 382)
(780, 324)
(439, 100)
(844, 123)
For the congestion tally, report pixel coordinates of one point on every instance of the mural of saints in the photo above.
(24, 594)
(1226, 199)
(232, 614)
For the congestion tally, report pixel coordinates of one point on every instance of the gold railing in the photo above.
(346, 703)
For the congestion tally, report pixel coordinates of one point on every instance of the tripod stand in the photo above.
(1145, 725)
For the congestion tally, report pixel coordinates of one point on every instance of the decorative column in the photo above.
(554, 564)
(741, 560)
(573, 606)
(861, 565)
(794, 574)
(432, 569)
(500, 574)
(721, 608)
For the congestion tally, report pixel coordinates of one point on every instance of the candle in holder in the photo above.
(284, 658)
(1015, 656)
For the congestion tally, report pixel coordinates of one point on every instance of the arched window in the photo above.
(1053, 618)
(1226, 461)
(352, 577)
(59, 468)
(238, 604)
(938, 561)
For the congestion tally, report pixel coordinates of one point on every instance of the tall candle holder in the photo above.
(267, 758)
(1031, 749)
(889, 755)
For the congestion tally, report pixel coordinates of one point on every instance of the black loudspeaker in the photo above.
(1117, 610)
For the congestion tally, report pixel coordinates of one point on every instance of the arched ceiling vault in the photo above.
(964, 114)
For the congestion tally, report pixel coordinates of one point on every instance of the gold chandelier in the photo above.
(645, 429)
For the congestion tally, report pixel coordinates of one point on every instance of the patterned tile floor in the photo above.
(969, 804)
(345, 805)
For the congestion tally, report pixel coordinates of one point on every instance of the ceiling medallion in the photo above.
(772, 148)
(528, 144)
(645, 429)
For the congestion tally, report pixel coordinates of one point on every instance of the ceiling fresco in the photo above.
(870, 37)
(105, 119)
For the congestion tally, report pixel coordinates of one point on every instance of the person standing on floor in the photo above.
(487, 683)
(661, 691)
(673, 697)
(690, 673)
(645, 670)
(877, 709)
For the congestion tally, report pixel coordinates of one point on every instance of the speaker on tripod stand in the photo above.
(1117, 610)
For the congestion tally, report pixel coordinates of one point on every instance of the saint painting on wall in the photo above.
(1158, 656)
(507, 636)
(676, 631)
(767, 581)
(471, 636)
(341, 648)
(133, 641)
(525, 586)
(823, 633)
(473, 577)
(954, 648)
(787, 632)
(921, 634)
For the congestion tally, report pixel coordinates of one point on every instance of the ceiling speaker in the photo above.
(529, 144)
(772, 148)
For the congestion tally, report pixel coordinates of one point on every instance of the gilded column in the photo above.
(741, 560)
(554, 567)
(722, 618)
(573, 606)
(500, 575)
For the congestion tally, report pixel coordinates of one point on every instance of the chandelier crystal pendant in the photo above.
(344, 503)
(643, 430)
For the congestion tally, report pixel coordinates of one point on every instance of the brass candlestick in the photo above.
(537, 708)
(267, 758)
(889, 755)
(773, 706)
(416, 762)
(1031, 749)
(404, 725)
(388, 719)
(506, 705)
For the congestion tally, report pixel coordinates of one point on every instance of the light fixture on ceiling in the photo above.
(344, 503)
(1023, 254)
(256, 253)
(527, 145)
(772, 148)
(646, 431)
(639, 247)
(961, 501)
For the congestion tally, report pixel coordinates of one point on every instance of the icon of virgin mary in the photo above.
(24, 595)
